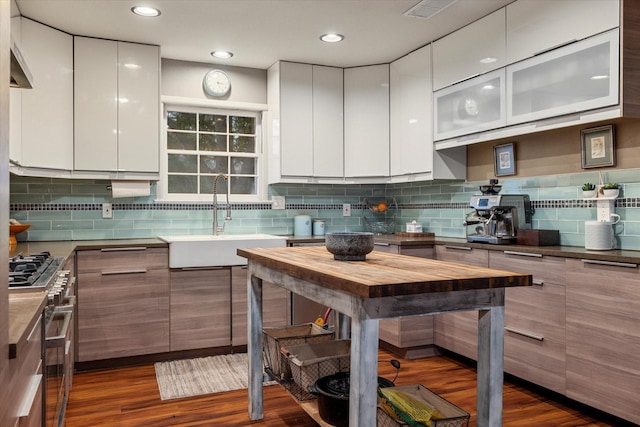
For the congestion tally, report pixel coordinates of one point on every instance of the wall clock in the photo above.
(216, 83)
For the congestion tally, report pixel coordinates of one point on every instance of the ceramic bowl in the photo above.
(347, 246)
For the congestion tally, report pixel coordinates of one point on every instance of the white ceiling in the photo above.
(260, 32)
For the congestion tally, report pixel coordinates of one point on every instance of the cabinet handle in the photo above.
(32, 390)
(522, 254)
(381, 244)
(133, 248)
(537, 282)
(459, 248)
(613, 263)
(201, 268)
(465, 78)
(568, 42)
(524, 333)
(58, 340)
(135, 271)
(34, 328)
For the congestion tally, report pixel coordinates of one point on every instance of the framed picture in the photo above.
(504, 159)
(598, 147)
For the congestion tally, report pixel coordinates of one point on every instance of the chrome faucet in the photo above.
(216, 228)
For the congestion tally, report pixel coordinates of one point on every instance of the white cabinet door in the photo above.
(577, 77)
(328, 122)
(95, 108)
(475, 49)
(296, 119)
(534, 26)
(47, 109)
(411, 118)
(366, 112)
(471, 106)
(117, 99)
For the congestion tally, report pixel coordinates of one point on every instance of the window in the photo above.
(202, 143)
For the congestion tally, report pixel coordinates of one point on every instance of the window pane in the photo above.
(246, 125)
(206, 187)
(213, 164)
(183, 184)
(243, 144)
(182, 121)
(243, 165)
(181, 141)
(243, 185)
(183, 163)
(213, 123)
(213, 142)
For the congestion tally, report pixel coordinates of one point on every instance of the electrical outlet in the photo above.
(346, 209)
(277, 202)
(107, 211)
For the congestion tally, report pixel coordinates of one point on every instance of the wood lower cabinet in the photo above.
(275, 305)
(411, 335)
(534, 339)
(458, 331)
(200, 309)
(603, 337)
(123, 302)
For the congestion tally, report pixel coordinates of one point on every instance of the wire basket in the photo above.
(376, 226)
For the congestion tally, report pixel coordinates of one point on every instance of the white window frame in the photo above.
(213, 107)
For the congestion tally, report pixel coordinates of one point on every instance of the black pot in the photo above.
(333, 397)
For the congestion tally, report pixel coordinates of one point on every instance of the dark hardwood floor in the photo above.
(129, 397)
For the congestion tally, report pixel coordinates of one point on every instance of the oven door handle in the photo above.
(59, 340)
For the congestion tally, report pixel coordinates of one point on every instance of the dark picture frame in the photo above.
(598, 147)
(504, 159)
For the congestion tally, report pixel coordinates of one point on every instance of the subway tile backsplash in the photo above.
(59, 209)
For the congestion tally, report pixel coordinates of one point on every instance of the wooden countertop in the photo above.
(382, 274)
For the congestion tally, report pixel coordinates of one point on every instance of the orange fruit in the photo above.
(382, 207)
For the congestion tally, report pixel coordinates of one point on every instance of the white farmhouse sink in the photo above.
(202, 250)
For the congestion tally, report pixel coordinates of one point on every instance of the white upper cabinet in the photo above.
(117, 101)
(472, 50)
(44, 114)
(578, 77)
(471, 106)
(328, 122)
(535, 26)
(366, 118)
(411, 118)
(306, 121)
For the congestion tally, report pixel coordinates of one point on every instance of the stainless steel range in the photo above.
(43, 272)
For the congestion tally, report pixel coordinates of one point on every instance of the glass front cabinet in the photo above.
(578, 77)
(471, 106)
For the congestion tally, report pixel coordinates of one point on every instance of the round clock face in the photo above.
(216, 83)
(471, 107)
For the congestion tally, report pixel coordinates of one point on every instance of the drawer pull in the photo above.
(568, 42)
(30, 396)
(459, 248)
(613, 263)
(34, 328)
(133, 248)
(135, 271)
(522, 254)
(59, 340)
(537, 282)
(524, 333)
(201, 268)
(380, 244)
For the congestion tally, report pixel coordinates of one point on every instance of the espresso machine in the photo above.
(497, 218)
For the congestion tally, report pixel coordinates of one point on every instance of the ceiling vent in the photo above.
(427, 8)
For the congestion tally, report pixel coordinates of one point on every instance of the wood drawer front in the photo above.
(534, 338)
(457, 332)
(390, 331)
(603, 337)
(275, 305)
(122, 315)
(411, 331)
(382, 247)
(463, 255)
(200, 308)
(544, 269)
(427, 252)
(114, 259)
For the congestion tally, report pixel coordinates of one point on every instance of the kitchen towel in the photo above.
(121, 189)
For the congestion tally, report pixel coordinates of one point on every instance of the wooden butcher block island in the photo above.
(384, 286)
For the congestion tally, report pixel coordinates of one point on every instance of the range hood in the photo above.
(20, 75)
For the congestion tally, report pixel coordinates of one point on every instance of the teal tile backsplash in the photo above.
(61, 209)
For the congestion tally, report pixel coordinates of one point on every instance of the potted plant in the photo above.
(610, 189)
(588, 190)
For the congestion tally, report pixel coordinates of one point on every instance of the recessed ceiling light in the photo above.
(222, 54)
(488, 60)
(332, 37)
(599, 77)
(145, 11)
